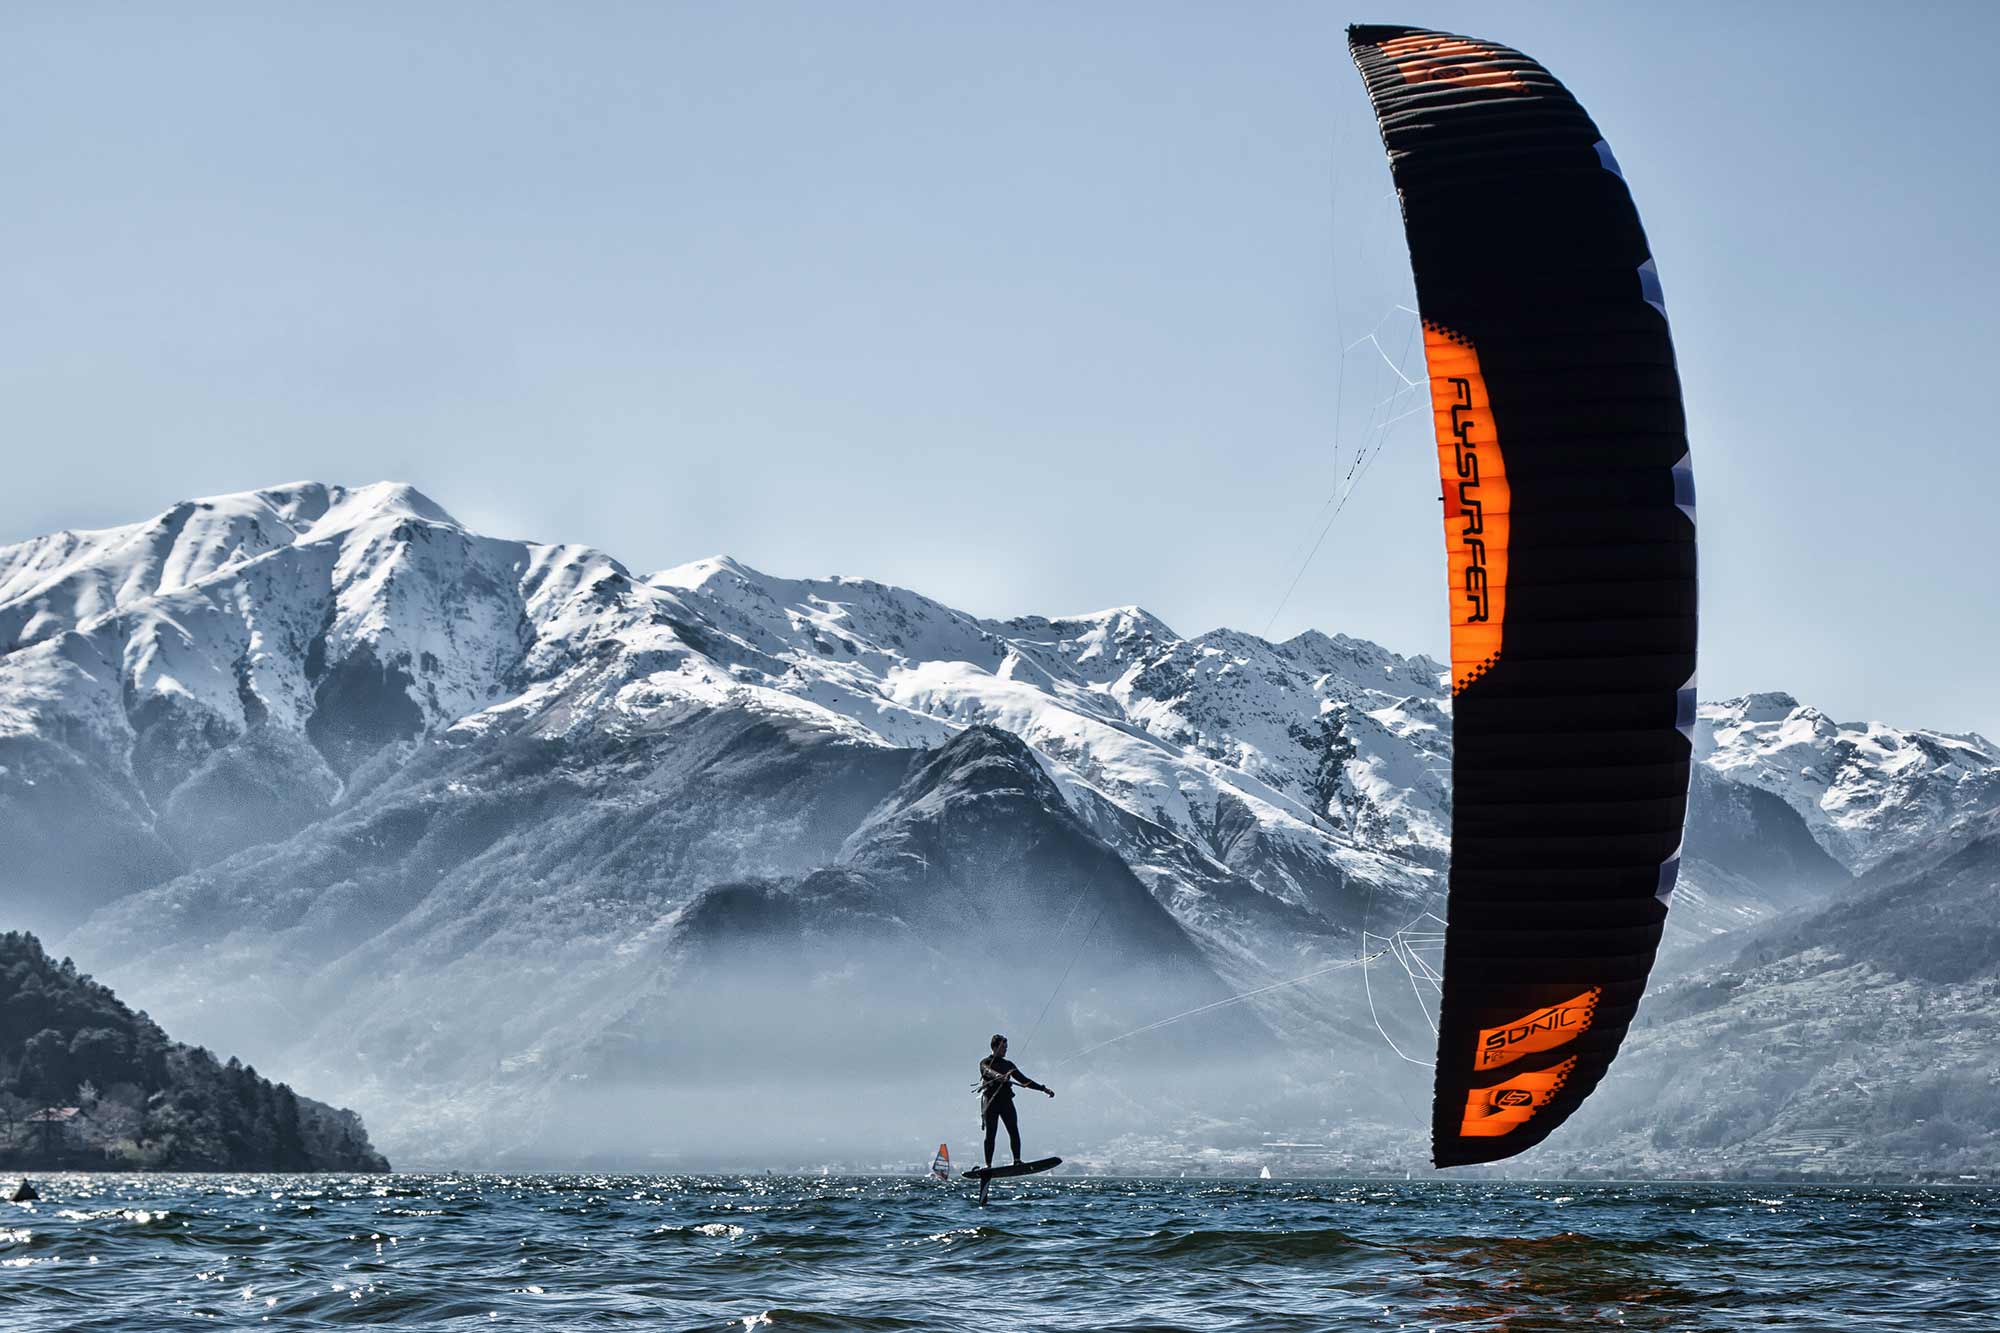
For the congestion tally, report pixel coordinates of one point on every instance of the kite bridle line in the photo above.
(1157, 1024)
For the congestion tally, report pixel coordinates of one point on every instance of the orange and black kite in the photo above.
(1569, 527)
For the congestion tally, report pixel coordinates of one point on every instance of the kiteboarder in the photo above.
(997, 1077)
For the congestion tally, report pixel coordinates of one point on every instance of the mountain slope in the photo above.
(1854, 1038)
(331, 779)
(960, 905)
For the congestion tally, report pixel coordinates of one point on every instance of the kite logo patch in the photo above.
(1542, 1030)
(1470, 506)
(1477, 501)
(1491, 1112)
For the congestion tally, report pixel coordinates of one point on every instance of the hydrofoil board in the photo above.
(1017, 1169)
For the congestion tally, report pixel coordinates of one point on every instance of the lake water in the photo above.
(1052, 1252)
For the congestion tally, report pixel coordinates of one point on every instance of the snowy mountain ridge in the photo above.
(313, 750)
(266, 608)
(1866, 790)
(353, 619)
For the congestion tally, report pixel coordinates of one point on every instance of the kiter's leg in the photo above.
(992, 1117)
(1013, 1132)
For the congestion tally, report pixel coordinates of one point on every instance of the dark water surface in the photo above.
(729, 1252)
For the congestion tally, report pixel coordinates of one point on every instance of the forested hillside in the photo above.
(86, 1083)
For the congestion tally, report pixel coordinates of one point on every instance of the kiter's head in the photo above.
(999, 1044)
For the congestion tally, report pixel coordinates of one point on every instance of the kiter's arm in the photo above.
(1027, 1082)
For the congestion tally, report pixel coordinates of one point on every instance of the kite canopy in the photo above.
(1569, 530)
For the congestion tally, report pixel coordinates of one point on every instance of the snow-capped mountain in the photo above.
(1867, 791)
(464, 801)
(213, 678)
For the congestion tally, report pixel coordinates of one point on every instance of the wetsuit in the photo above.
(996, 1102)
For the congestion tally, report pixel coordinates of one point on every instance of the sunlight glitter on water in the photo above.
(1062, 1253)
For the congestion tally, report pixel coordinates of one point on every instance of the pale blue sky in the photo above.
(1030, 307)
